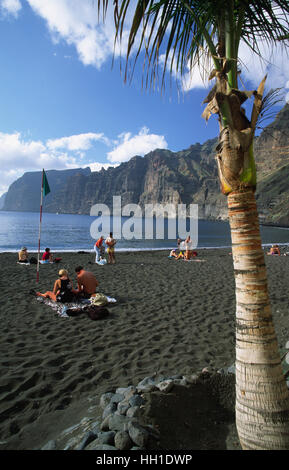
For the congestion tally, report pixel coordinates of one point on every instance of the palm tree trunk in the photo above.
(262, 397)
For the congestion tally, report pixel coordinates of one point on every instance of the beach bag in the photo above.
(96, 312)
(33, 260)
(99, 300)
(73, 312)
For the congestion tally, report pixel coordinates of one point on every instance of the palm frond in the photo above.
(185, 32)
(268, 110)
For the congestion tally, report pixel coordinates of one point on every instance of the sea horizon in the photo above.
(71, 233)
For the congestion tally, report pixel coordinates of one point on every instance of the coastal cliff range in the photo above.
(162, 176)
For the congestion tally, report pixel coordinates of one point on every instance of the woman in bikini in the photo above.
(62, 290)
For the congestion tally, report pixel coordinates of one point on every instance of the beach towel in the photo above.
(23, 264)
(70, 309)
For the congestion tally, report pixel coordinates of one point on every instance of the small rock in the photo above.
(146, 381)
(232, 369)
(165, 386)
(95, 428)
(147, 388)
(105, 424)
(117, 422)
(109, 409)
(138, 434)
(133, 412)
(116, 398)
(105, 399)
(136, 400)
(122, 407)
(122, 441)
(106, 437)
(124, 391)
(88, 438)
(130, 392)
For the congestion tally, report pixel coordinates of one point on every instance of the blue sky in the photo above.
(62, 105)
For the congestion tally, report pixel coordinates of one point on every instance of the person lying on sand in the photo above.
(86, 282)
(274, 250)
(173, 254)
(23, 255)
(62, 291)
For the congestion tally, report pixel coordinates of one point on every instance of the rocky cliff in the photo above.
(188, 176)
(24, 193)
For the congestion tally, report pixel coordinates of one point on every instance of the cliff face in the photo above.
(24, 193)
(272, 159)
(162, 176)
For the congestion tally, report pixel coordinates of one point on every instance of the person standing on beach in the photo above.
(110, 242)
(98, 249)
(86, 282)
(189, 251)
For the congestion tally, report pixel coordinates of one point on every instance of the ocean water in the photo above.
(66, 232)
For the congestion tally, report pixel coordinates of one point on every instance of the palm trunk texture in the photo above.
(262, 397)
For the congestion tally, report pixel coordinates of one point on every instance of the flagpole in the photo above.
(40, 222)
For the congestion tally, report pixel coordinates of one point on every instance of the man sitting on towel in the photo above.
(86, 282)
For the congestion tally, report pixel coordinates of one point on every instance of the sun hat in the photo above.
(23, 248)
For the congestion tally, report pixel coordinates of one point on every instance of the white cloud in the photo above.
(79, 25)
(77, 142)
(128, 146)
(275, 63)
(19, 155)
(11, 7)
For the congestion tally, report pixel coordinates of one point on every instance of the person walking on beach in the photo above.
(110, 242)
(62, 291)
(86, 282)
(98, 248)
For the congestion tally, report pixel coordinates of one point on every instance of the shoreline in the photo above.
(137, 250)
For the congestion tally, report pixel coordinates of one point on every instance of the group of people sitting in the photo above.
(99, 249)
(184, 250)
(274, 250)
(63, 290)
(47, 257)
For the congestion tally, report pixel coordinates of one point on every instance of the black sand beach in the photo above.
(171, 317)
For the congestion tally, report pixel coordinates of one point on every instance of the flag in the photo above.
(46, 188)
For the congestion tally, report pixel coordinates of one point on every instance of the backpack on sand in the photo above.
(96, 312)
